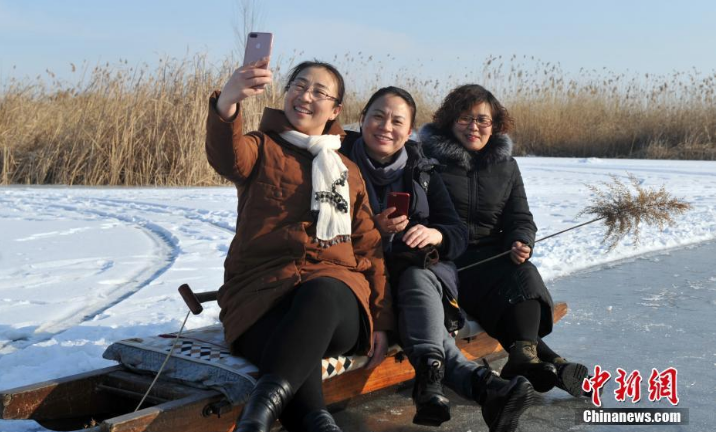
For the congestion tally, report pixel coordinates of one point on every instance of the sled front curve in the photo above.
(104, 400)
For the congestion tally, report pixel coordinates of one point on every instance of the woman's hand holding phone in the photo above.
(387, 225)
(249, 80)
(246, 81)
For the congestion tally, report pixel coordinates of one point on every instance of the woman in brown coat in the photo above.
(304, 276)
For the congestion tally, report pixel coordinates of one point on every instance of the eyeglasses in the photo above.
(316, 93)
(481, 120)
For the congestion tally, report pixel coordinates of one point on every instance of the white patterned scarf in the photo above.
(330, 197)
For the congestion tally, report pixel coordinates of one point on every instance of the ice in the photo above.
(676, 328)
(82, 267)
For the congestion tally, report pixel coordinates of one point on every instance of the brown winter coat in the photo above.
(274, 248)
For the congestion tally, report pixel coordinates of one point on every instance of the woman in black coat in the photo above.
(507, 296)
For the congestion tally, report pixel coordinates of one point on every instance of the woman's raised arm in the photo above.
(246, 81)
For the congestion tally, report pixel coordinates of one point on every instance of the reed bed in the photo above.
(119, 124)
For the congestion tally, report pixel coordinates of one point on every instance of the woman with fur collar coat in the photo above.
(507, 296)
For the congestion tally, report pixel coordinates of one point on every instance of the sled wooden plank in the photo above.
(96, 395)
(72, 396)
(395, 370)
(184, 414)
(76, 396)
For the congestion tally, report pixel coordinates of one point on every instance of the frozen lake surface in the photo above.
(82, 267)
(656, 311)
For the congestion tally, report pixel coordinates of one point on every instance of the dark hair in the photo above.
(395, 91)
(465, 97)
(327, 66)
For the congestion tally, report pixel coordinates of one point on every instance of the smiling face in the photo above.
(472, 136)
(305, 113)
(386, 127)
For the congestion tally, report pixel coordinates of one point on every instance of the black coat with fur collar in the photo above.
(487, 190)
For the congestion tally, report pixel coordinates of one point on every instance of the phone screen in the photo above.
(401, 202)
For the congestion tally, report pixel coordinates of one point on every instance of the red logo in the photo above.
(596, 382)
(628, 386)
(662, 385)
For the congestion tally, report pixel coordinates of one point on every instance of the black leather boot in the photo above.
(432, 408)
(523, 361)
(570, 376)
(502, 401)
(265, 404)
(320, 421)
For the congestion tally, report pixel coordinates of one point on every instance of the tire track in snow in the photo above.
(165, 240)
(188, 213)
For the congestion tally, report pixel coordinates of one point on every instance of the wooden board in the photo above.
(395, 370)
(102, 400)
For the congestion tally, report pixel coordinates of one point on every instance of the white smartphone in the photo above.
(258, 46)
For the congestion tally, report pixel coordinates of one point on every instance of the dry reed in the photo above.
(124, 125)
(623, 211)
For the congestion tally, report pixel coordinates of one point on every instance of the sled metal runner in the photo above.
(104, 400)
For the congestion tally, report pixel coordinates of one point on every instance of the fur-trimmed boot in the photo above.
(570, 376)
(523, 361)
(432, 408)
(265, 404)
(502, 401)
(320, 421)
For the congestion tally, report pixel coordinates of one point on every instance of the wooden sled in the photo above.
(104, 400)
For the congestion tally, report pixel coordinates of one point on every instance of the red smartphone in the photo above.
(258, 46)
(401, 202)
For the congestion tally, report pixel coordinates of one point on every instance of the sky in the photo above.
(639, 36)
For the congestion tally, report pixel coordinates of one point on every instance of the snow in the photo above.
(81, 267)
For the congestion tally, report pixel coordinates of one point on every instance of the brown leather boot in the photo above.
(523, 361)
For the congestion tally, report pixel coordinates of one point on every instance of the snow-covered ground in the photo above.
(83, 267)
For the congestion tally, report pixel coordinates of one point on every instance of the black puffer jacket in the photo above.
(430, 205)
(487, 190)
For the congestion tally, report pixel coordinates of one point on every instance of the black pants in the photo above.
(510, 301)
(488, 293)
(319, 318)
(521, 322)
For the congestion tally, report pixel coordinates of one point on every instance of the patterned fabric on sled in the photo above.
(202, 359)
